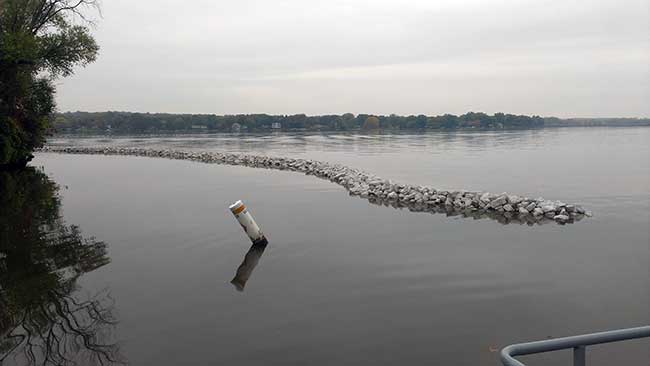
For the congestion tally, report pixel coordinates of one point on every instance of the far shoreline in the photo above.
(157, 123)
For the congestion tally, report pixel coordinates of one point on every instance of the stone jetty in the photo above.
(503, 207)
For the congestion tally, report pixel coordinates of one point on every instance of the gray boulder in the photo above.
(498, 202)
(561, 218)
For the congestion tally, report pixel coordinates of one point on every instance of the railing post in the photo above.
(579, 354)
(578, 343)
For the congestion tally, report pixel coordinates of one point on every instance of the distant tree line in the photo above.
(127, 122)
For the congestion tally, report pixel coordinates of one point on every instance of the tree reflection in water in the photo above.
(41, 258)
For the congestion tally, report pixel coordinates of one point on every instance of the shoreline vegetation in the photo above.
(504, 208)
(135, 123)
(40, 42)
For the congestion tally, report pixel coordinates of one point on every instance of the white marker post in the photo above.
(247, 223)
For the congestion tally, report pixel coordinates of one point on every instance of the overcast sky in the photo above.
(563, 58)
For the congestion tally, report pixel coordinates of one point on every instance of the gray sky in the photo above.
(564, 58)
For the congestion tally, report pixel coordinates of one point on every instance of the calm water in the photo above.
(342, 281)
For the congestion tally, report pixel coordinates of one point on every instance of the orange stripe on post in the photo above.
(239, 209)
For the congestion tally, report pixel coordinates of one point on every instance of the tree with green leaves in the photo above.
(40, 41)
(371, 123)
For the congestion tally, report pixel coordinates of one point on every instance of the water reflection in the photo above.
(364, 143)
(251, 259)
(42, 321)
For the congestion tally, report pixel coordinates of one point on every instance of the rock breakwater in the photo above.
(503, 207)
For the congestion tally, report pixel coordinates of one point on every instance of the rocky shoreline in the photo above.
(503, 207)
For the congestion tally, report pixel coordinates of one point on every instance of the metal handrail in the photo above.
(578, 343)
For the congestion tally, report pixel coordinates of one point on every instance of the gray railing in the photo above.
(578, 343)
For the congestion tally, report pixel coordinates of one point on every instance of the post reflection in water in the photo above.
(245, 269)
(42, 320)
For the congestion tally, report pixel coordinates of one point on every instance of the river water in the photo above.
(346, 282)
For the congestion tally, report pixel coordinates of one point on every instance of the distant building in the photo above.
(276, 125)
(236, 127)
(472, 124)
